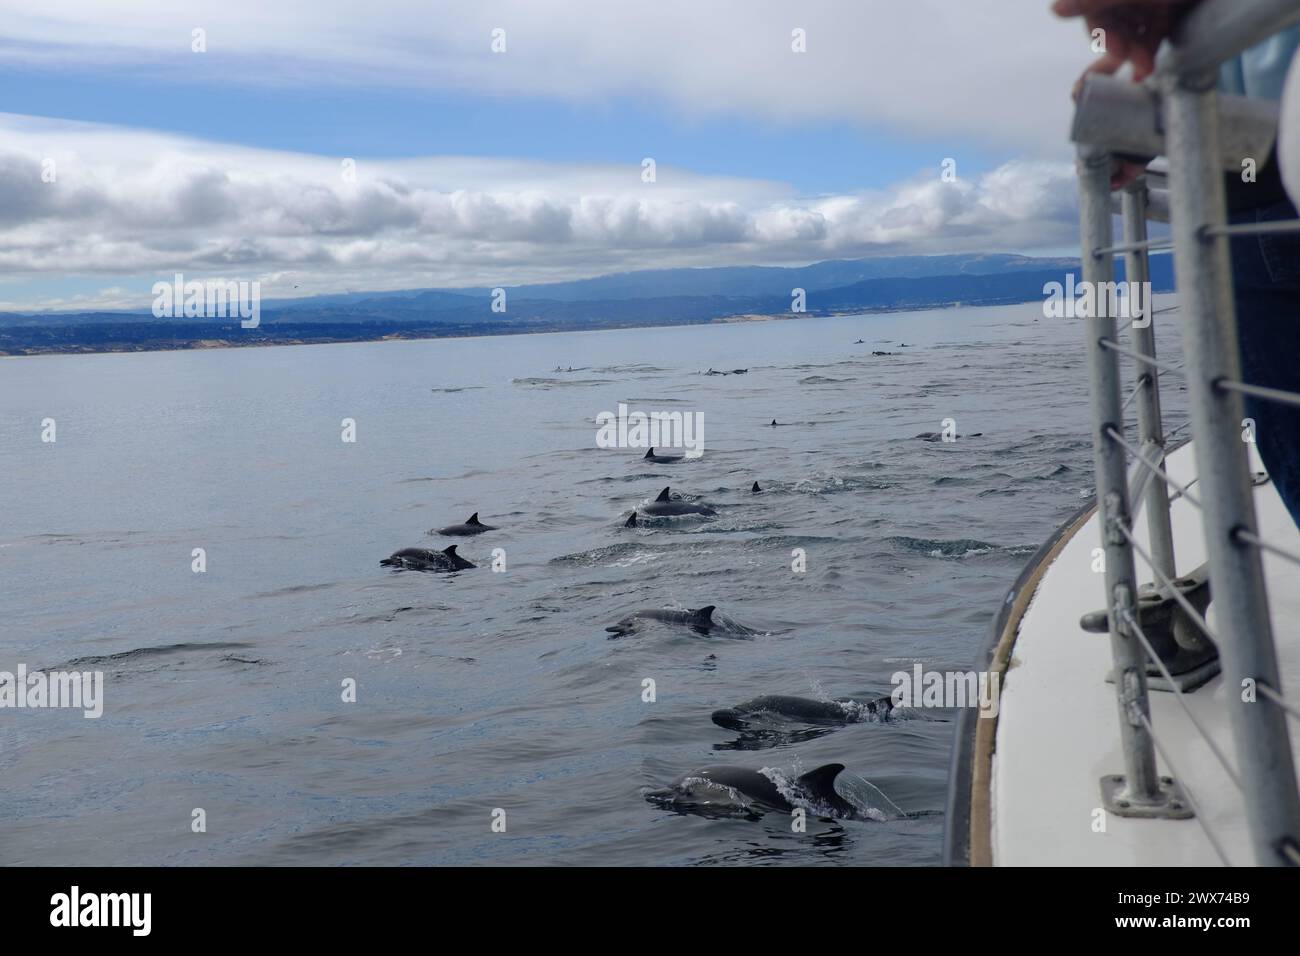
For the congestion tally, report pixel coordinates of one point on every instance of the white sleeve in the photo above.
(1288, 134)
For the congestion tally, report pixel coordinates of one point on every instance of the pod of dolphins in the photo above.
(715, 790)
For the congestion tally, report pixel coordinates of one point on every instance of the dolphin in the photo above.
(739, 790)
(421, 559)
(665, 507)
(471, 526)
(938, 436)
(803, 710)
(662, 459)
(755, 490)
(631, 521)
(699, 620)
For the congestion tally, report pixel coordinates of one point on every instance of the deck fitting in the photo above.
(1173, 803)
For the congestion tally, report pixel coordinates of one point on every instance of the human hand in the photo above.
(1134, 30)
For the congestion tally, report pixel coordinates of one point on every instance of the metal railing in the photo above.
(1178, 114)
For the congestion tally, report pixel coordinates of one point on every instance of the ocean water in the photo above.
(494, 691)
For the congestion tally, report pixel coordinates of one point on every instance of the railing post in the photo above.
(1138, 792)
(1209, 324)
(1137, 272)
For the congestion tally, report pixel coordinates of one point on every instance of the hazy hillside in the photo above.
(435, 312)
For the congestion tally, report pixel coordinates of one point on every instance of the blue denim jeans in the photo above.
(1266, 273)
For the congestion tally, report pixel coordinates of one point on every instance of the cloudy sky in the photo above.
(126, 155)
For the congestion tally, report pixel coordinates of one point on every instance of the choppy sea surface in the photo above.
(488, 690)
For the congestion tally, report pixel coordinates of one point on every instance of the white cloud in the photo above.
(134, 203)
(996, 70)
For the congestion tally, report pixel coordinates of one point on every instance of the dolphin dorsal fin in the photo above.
(473, 519)
(774, 421)
(651, 452)
(631, 521)
(705, 613)
(756, 488)
(663, 495)
(820, 783)
(451, 551)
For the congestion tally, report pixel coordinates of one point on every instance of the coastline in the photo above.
(205, 340)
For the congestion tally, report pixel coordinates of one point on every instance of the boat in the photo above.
(1149, 654)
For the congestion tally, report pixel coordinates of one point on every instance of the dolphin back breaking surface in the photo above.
(700, 620)
(778, 708)
(740, 791)
(470, 526)
(422, 559)
(665, 506)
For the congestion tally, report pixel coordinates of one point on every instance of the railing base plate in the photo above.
(1172, 806)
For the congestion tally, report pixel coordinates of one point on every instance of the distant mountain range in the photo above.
(723, 281)
(656, 297)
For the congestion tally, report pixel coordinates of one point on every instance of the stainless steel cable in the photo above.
(1161, 242)
(1139, 357)
(1187, 792)
(1278, 699)
(1165, 582)
(1253, 228)
(1181, 698)
(1159, 472)
(1129, 324)
(1143, 381)
(1259, 391)
(1241, 534)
